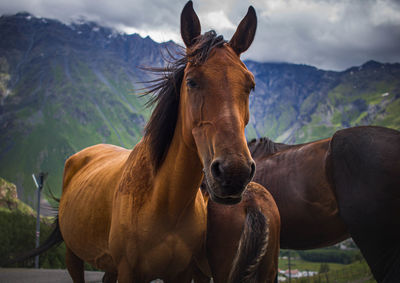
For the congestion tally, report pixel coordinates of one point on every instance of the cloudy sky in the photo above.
(328, 34)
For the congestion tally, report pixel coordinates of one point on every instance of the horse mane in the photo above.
(165, 93)
(265, 147)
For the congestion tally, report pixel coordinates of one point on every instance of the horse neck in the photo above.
(265, 147)
(177, 181)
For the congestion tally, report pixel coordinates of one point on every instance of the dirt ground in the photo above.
(24, 275)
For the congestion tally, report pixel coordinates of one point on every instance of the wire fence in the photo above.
(360, 274)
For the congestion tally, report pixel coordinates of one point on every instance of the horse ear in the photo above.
(190, 24)
(245, 32)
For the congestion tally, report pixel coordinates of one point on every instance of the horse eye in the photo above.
(191, 83)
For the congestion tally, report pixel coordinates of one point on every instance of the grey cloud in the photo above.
(329, 34)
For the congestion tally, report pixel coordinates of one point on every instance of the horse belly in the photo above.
(85, 220)
(85, 229)
(90, 179)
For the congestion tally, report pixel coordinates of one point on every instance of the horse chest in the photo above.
(156, 246)
(177, 244)
(171, 253)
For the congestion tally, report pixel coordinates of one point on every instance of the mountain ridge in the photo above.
(66, 87)
(355, 92)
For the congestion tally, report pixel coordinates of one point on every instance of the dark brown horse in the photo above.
(243, 239)
(331, 189)
(296, 177)
(138, 214)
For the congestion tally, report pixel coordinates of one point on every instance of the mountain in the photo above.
(63, 88)
(9, 200)
(299, 103)
(66, 87)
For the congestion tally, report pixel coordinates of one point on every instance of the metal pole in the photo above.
(290, 267)
(39, 186)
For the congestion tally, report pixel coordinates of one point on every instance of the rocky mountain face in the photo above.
(63, 88)
(9, 199)
(66, 87)
(298, 103)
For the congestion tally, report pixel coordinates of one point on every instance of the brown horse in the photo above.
(330, 189)
(296, 177)
(138, 214)
(243, 239)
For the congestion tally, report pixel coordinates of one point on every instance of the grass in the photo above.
(355, 272)
(307, 265)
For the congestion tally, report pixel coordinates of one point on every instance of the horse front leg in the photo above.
(199, 276)
(110, 277)
(184, 277)
(191, 274)
(126, 273)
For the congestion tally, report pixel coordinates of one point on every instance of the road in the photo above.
(24, 275)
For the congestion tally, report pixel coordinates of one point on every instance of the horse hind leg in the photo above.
(75, 266)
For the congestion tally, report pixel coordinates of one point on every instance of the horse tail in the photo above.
(252, 247)
(54, 239)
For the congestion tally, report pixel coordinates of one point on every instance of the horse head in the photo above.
(215, 103)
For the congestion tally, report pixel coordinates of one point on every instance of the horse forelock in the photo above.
(202, 47)
(165, 91)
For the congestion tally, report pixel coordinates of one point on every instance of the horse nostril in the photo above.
(216, 169)
(253, 170)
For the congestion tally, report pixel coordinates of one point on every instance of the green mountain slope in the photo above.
(66, 87)
(297, 103)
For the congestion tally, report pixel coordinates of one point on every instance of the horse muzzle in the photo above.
(226, 179)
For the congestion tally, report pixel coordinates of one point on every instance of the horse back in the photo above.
(90, 179)
(93, 160)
